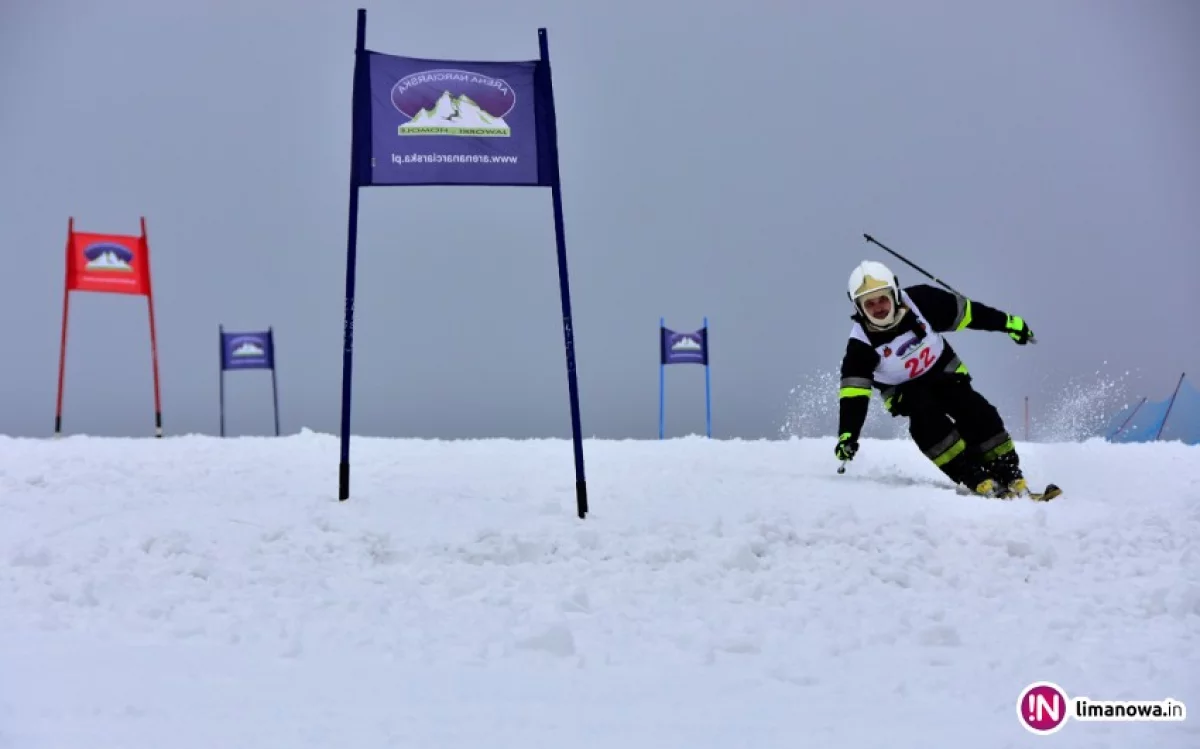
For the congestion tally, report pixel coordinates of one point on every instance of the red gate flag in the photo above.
(108, 264)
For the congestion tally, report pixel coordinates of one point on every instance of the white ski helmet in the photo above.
(869, 278)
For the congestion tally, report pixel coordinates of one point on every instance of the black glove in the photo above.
(1018, 330)
(847, 446)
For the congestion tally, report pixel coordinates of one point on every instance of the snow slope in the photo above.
(194, 593)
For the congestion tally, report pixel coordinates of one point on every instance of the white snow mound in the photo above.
(195, 592)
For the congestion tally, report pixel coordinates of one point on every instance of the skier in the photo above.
(897, 346)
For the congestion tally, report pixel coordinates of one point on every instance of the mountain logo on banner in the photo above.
(108, 257)
(454, 102)
(248, 348)
(686, 343)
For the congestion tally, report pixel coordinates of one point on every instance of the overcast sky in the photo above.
(719, 159)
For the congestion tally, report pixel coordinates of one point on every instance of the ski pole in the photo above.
(919, 269)
(903, 259)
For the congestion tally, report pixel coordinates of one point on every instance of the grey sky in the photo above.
(718, 159)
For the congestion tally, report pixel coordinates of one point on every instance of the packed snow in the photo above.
(193, 592)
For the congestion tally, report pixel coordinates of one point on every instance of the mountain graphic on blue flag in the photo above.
(248, 348)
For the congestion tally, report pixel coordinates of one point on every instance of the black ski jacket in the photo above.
(945, 312)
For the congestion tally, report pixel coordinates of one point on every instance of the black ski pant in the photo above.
(958, 429)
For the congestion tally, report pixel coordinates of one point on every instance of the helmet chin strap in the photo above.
(890, 322)
(894, 316)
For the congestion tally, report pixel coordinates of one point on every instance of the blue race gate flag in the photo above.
(683, 348)
(422, 122)
(1174, 418)
(253, 350)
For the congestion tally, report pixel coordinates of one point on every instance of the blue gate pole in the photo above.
(662, 323)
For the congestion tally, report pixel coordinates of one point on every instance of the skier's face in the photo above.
(878, 306)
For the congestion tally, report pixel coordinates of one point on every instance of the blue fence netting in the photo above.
(1174, 418)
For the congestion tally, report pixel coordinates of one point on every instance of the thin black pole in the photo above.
(221, 367)
(274, 382)
(581, 499)
(360, 71)
(927, 274)
(1128, 418)
(1170, 405)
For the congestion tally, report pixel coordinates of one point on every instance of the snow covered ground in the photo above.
(195, 593)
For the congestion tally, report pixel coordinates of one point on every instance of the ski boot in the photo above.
(985, 488)
(1005, 471)
(1013, 489)
(976, 481)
